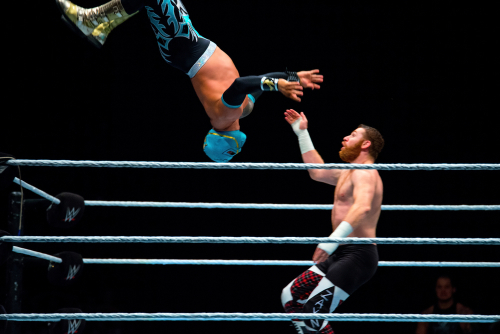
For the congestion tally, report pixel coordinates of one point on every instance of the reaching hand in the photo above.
(310, 79)
(292, 90)
(320, 255)
(291, 116)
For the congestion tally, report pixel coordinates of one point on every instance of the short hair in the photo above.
(376, 139)
(452, 281)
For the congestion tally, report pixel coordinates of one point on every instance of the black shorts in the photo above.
(350, 266)
(180, 44)
(325, 286)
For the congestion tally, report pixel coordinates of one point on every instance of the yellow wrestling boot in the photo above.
(96, 23)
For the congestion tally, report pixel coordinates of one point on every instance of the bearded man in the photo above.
(340, 269)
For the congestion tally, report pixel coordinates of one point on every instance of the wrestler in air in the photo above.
(225, 95)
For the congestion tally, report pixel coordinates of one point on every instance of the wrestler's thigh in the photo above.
(351, 271)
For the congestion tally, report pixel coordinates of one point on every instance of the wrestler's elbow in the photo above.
(316, 175)
(313, 174)
(321, 176)
(365, 209)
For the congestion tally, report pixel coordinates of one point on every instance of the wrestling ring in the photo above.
(373, 317)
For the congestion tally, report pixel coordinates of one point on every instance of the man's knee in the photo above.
(324, 299)
(301, 287)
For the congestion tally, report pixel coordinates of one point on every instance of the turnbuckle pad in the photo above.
(67, 272)
(67, 213)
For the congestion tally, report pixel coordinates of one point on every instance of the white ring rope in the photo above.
(285, 263)
(258, 240)
(254, 205)
(39, 255)
(276, 166)
(250, 262)
(250, 316)
(284, 206)
(37, 191)
(373, 317)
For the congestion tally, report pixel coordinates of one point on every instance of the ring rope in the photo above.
(257, 240)
(254, 205)
(285, 206)
(286, 263)
(276, 166)
(37, 191)
(250, 317)
(258, 316)
(30, 252)
(250, 262)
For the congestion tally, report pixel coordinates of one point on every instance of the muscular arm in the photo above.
(299, 125)
(234, 96)
(229, 106)
(364, 184)
(329, 176)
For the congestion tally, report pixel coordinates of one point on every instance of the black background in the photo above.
(423, 73)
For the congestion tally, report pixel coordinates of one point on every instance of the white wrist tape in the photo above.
(342, 231)
(305, 142)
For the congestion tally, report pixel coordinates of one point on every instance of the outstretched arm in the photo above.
(309, 154)
(234, 96)
(307, 79)
(289, 84)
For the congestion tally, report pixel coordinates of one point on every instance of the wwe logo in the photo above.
(71, 214)
(73, 326)
(73, 270)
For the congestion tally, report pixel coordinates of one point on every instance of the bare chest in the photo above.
(344, 189)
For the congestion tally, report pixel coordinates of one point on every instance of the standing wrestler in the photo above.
(225, 96)
(339, 270)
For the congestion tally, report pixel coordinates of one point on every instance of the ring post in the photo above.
(14, 265)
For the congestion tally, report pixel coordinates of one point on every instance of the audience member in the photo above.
(445, 304)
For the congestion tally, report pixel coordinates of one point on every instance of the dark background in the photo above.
(423, 73)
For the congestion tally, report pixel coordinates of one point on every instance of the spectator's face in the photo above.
(444, 289)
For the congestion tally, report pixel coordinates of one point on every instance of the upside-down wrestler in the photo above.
(225, 96)
(339, 270)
